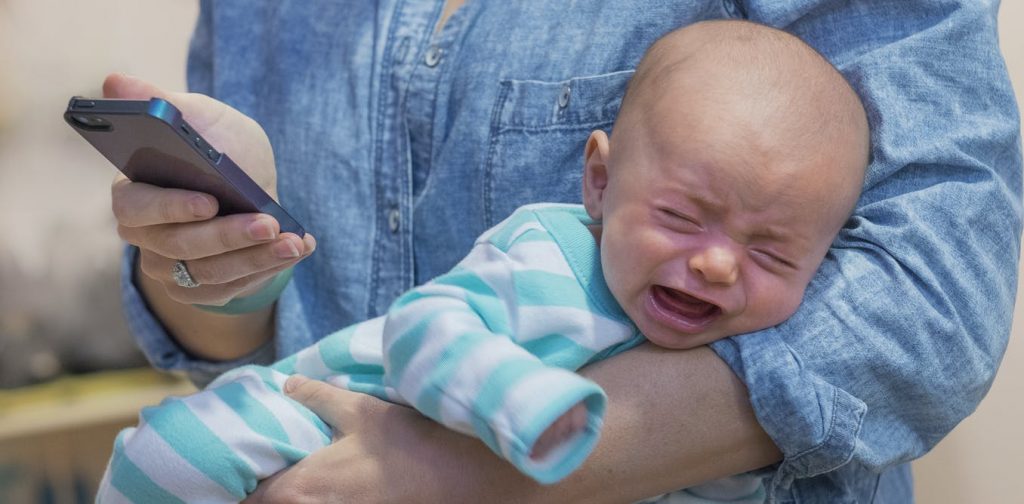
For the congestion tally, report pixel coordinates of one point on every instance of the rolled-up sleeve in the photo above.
(902, 330)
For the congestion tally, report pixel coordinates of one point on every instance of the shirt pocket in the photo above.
(537, 135)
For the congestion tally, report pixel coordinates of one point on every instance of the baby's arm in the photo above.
(447, 354)
(486, 350)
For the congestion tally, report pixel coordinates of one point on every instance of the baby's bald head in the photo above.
(791, 100)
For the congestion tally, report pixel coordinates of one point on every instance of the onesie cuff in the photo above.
(530, 414)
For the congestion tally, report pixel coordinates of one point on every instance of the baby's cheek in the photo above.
(623, 257)
(774, 302)
(789, 302)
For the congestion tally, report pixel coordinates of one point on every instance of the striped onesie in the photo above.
(487, 349)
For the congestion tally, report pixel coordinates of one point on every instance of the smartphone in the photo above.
(150, 142)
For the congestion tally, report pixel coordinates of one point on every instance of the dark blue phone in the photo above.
(150, 142)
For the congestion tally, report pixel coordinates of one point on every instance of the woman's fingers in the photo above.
(336, 406)
(345, 411)
(126, 87)
(228, 256)
(159, 268)
(231, 266)
(206, 238)
(224, 277)
(198, 110)
(136, 204)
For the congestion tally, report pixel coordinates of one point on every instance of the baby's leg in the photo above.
(213, 446)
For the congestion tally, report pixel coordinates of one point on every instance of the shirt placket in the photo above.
(397, 157)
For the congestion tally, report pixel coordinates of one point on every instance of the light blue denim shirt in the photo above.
(396, 146)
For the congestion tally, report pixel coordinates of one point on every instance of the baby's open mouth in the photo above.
(683, 311)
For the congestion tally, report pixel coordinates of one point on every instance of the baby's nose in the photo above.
(716, 265)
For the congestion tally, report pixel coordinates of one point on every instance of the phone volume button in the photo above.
(213, 155)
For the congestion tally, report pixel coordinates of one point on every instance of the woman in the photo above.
(401, 133)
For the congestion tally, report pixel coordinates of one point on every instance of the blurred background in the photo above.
(70, 375)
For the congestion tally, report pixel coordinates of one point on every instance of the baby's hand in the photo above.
(564, 428)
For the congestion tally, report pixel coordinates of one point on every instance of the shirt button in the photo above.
(563, 98)
(394, 220)
(433, 56)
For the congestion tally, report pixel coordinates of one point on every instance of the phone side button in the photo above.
(213, 155)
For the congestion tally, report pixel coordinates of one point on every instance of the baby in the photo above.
(738, 154)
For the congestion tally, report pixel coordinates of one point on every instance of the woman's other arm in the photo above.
(650, 444)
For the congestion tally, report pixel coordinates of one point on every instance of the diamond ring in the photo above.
(181, 275)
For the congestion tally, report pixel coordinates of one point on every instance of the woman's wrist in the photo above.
(190, 328)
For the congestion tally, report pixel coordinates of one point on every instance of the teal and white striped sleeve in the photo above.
(212, 446)
(453, 349)
(349, 359)
(217, 444)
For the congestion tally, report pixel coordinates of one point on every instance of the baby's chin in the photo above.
(665, 337)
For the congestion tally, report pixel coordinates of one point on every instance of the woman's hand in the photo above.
(384, 452)
(227, 256)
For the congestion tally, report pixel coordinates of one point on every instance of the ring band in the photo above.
(181, 275)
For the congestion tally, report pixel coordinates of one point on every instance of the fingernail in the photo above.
(285, 249)
(261, 230)
(293, 382)
(200, 206)
(309, 243)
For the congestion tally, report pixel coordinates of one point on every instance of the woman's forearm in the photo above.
(675, 419)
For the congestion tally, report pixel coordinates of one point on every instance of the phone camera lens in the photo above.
(91, 122)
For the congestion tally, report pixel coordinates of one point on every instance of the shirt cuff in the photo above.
(814, 423)
(159, 347)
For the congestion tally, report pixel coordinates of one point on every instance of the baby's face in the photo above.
(710, 228)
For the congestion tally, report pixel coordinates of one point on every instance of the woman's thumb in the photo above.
(199, 110)
(313, 394)
(126, 87)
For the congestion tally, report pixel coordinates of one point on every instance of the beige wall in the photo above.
(58, 248)
(46, 55)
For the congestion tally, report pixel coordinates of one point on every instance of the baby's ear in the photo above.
(595, 173)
